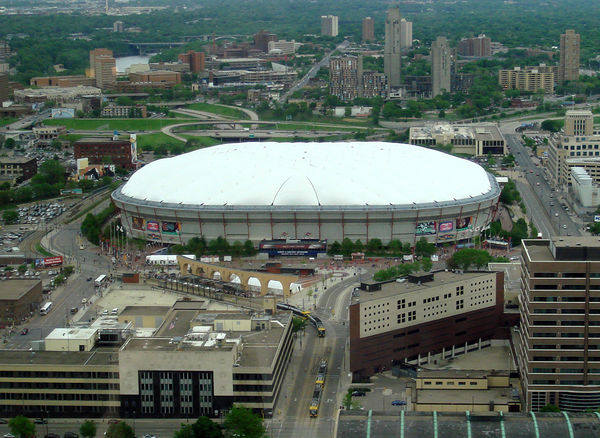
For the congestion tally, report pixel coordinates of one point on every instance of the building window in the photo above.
(147, 392)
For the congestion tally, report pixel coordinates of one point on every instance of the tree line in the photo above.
(375, 247)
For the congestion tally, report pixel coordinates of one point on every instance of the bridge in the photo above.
(168, 44)
(208, 270)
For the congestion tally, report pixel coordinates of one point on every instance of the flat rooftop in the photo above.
(479, 132)
(100, 140)
(563, 249)
(104, 356)
(71, 333)
(16, 289)
(464, 397)
(439, 279)
(15, 160)
(144, 310)
(455, 373)
(259, 347)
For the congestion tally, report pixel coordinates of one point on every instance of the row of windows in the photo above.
(60, 374)
(448, 383)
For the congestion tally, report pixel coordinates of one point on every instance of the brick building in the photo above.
(62, 81)
(96, 149)
(196, 60)
(17, 169)
(18, 298)
(156, 77)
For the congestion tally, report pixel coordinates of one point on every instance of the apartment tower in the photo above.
(440, 66)
(405, 34)
(568, 68)
(558, 350)
(391, 51)
(368, 29)
(345, 76)
(329, 25)
(97, 53)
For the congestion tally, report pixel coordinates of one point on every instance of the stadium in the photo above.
(320, 191)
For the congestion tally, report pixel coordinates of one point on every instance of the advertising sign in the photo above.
(153, 236)
(171, 227)
(63, 113)
(445, 237)
(152, 226)
(446, 226)
(597, 218)
(137, 223)
(48, 262)
(424, 228)
(464, 223)
(133, 143)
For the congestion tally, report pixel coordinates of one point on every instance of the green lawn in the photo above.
(155, 139)
(218, 109)
(116, 124)
(203, 141)
(7, 121)
(309, 127)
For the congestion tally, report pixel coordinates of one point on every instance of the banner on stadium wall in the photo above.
(170, 227)
(444, 227)
(464, 223)
(152, 226)
(137, 223)
(424, 228)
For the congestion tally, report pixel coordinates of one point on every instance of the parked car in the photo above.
(74, 310)
(3, 421)
(52, 435)
(40, 421)
(113, 421)
(358, 393)
(25, 331)
(70, 435)
(398, 403)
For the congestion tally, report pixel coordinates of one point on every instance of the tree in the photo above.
(204, 427)
(88, 429)
(10, 143)
(56, 144)
(550, 408)
(374, 245)
(22, 427)
(186, 431)
(298, 324)
(120, 430)
(335, 248)
(52, 171)
(10, 216)
(424, 248)
(22, 268)
(426, 264)
(348, 401)
(240, 421)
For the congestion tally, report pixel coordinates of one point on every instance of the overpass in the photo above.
(167, 44)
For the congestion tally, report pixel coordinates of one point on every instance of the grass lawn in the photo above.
(203, 141)
(218, 109)
(7, 121)
(155, 139)
(116, 124)
(307, 127)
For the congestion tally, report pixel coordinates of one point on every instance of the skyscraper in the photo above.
(368, 29)
(568, 69)
(329, 25)
(391, 51)
(94, 54)
(105, 71)
(405, 34)
(559, 347)
(345, 77)
(440, 66)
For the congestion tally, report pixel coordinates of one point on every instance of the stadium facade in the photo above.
(356, 190)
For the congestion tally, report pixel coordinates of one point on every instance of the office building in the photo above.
(17, 169)
(392, 49)
(3, 87)
(531, 79)
(440, 66)
(579, 122)
(368, 30)
(477, 47)
(19, 298)
(475, 139)
(329, 25)
(105, 71)
(558, 349)
(417, 86)
(345, 77)
(283, 47)
(97, 149)
(125, 111)
(42, 132)
(96, 53)
(152, 77)
(118, 26)
(62, 81)
(583, 188)
(429, 316)
(406, 34)
(196, 60)
(262, 39)
(568, 68)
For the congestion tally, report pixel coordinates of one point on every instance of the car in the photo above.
(74, 310)
(564, 227)
(105, 312)
(3, 421)
(81, 246)
(114, 311)
(83, 300)
(358, 393)
(52, 435)
(9, 435)
(398, 403)
(114, 421)
(89, 279)
(149, 436)
(40, 421)
(70, 435)
(556, 214)
(25, 331)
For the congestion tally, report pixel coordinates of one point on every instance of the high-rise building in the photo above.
(374, 85)
(5, 52)
(478, 47)
(391, 51)
(579, 122)
(118, 26)
(345, 77)
(96, 53)
(105, 71)
(528, 79)
(558, 350)
(568, 69)
(262, 39)
(196, 60)
(406, 37)
(329, 25)
(368, 29)
(3, 87)
(440, 66)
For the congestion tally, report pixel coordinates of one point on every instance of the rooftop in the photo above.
(104, 356)
(100, 140)
(15, 160)
(440, 278)
(454, 373)
(488, 131)
(563, 249)
(144, 310)
(71, 333)
(16, 289)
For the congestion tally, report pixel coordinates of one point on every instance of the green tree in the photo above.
(22, 427)
(52, 171)
(240, 421)
(424, 248)
(249, 249)
(120, 430)
(358, 246)
(374, 245)
(22, 268)
(10, 216)
(298, 324)
(186, 431)
(426, 264)
(204, 427)
(10, 143)
(335, 248)
(56, 144)
(550, 408)
(347, 247)
(348, 401)
(88, 429)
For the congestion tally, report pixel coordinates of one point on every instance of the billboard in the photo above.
(302, 247)
(446, 226)
(424, 228)
(63, 113)
(445, 237)
(171, 227)
(137, 223)
(65, 192)
(464, 223)
(597, 218)
(152, 226)
(48, 262)
(133, 143)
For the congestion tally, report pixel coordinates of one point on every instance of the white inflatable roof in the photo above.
(308, 174)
